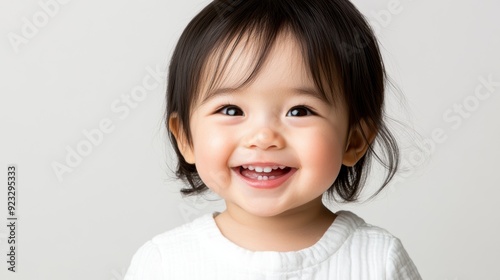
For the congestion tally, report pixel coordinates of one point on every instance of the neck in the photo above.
(292, 230)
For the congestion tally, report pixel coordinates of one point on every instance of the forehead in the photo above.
(246, 61)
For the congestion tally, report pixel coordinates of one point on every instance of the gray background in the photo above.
(72, 70)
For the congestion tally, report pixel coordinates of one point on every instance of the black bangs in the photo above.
(338, 47)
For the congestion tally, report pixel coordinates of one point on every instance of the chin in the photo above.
(264, 210)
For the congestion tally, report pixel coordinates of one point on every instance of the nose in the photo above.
(264, 138)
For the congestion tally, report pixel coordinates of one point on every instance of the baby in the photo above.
(273, 104)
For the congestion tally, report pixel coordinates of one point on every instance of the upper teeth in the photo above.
(266, 169)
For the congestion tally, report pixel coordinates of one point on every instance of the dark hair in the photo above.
(338, 46)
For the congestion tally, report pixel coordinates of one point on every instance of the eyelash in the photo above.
(225, 108)
(310, 112)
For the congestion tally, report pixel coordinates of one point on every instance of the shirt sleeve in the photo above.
(146, 264)
(399, 264)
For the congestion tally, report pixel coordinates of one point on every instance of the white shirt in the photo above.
(349, 249)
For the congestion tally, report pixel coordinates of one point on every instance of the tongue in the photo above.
(253, 174)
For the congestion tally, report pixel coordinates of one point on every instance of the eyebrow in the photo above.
(296, 90)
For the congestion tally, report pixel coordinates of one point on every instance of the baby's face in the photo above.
(272, 146)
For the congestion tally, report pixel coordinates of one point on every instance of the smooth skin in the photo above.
(275, 120)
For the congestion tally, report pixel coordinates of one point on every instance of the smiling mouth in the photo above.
(263, 173)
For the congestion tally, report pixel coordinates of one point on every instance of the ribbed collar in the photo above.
(235, 256)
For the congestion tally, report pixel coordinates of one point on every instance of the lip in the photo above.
(264, 184)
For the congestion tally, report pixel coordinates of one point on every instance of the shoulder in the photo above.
(359, 230)
(176, 246)
(375, 248)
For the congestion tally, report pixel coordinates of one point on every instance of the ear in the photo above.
(358, 142)
(185, 148)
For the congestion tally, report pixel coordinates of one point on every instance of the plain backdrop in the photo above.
(70, 68)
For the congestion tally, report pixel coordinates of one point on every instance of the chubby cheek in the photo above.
(322, 159)
(212, 152)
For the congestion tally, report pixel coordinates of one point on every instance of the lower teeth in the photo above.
(264, 178)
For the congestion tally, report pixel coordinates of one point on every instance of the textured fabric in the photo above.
(349, 249)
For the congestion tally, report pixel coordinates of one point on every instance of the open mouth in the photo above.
(261, 173)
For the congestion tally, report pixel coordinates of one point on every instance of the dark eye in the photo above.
(231, 110)
(299, 111)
